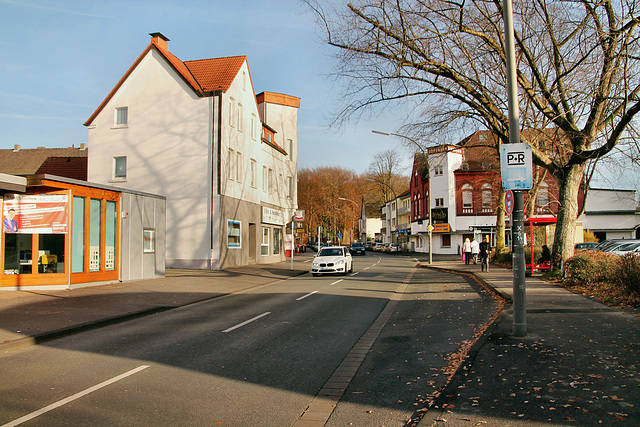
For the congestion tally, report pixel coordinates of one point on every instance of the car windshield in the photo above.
(331, 252)
(628, 247)
(357, 245)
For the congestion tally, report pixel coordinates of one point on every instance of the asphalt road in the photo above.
(256, 357)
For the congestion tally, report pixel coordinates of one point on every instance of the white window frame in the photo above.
(253, 127)
(253, 171)
(264, 243)
(240, 117)
(231, 157)
(439, 202)
(238, 166)
(265, 179)
(117, 118)
(467, 196)
(232, 106)
(438, 170)
(114, 172)
(289, 187)
(234, 230)
(149, 235)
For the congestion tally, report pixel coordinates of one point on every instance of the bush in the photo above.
(590, 267)
(628, 272)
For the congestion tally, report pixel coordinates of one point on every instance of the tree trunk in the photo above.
(567, 215)
(500, 218)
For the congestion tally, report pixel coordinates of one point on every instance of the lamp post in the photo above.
(395, 196)
(357, 206)
(426, 157)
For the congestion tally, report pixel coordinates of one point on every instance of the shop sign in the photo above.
(272, 216)
(441, 228)
(35, 214)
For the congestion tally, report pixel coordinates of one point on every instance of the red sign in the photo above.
(36, 214)
(508, 202)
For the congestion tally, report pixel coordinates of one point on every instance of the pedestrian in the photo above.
(466, 248)
(475, 249)
(485, 253)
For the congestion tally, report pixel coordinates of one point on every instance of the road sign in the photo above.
(441, 228)
(516, 166)
(299, 216)
(339, 235)
(508, 202)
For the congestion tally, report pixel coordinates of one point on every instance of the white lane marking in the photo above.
(353, 274)
(366, 268)
(336, 282)
(308, 260)
(240, 325)
(307, 295)
(74, 397)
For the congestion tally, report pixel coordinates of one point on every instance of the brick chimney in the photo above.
(160, 40)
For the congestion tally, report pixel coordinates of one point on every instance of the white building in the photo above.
(612, 214)
(196, 132)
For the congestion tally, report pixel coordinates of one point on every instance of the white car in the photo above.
(332, 260)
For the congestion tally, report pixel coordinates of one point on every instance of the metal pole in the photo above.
(293, 240)
(519, 285)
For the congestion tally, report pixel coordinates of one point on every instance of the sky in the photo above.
(60, 59)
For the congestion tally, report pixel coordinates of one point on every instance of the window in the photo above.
(253, 172)
(238, 167)
(277, 240)
(264, 246)
(446, 241)
(231, 164)
(110, 236)
(94, 234)
(543, 195)
(148, 240)
(120, 168)
(122, 117)
(77, 253)
(253, 127)
(240, 117)
(233, 234)
(487, 197)
(439, 202)
(467, 196)
(289, 187)
(232, 106)
(265, 179)
(290, 148)
(279, 184)
(270, 181)
(438, 170)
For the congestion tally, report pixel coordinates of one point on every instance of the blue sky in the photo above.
(61, 58)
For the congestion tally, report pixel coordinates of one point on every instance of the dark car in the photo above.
(357, 248)
(586, 246)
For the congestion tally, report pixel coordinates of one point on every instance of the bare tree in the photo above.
(577, 75)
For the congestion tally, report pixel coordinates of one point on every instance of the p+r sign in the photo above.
(516, 166)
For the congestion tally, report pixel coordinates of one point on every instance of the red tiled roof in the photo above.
(203, 76)
(216, 73)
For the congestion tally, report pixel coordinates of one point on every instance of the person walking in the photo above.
(466, 249)
(485, 253)
(475, 249)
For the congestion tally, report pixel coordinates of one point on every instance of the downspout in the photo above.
(216, 152)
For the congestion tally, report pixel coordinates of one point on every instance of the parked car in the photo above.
(368, 247)
(357, 248)
(627, 248)
(586, 246)
(377, 247)
(394, 247)
(607, 243)
(332, 260)
(616, 245)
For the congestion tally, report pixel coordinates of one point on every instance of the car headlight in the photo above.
(340, 262)
(315, 264)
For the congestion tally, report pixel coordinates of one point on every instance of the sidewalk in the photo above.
(578, 365)
(32, 317)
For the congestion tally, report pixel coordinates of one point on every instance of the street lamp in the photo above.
(395, 197)
(426, 157)
(357, 206)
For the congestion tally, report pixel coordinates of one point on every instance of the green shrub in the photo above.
(591, 267)
(627, 273)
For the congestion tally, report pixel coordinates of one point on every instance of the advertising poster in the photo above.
(35, 214)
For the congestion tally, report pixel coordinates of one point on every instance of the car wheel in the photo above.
(314, 274)
(351, 268)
